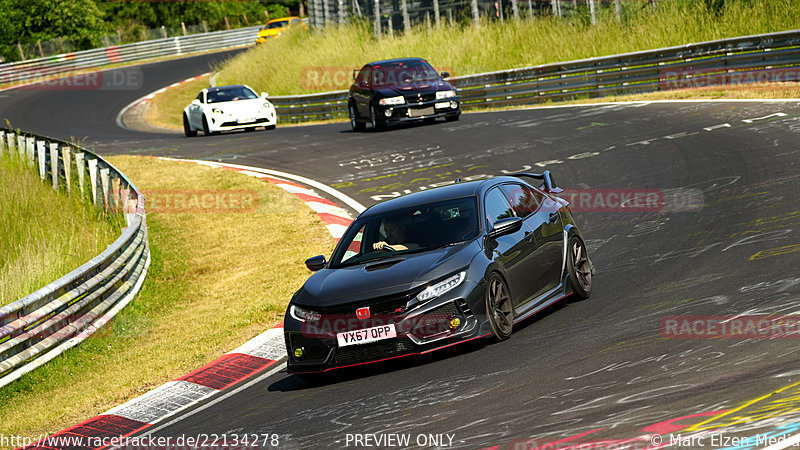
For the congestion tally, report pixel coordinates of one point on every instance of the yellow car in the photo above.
(275, 27)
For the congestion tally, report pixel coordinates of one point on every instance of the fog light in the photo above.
(298, 352)
(388, 112)
(455, 322)
(454, 104)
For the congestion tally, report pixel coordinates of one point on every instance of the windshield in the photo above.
(402, 74)
(230, 94)
(280, 24)
(411, 230)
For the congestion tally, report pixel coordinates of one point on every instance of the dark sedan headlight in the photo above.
(441, 95)
(442, 287)
(304, 315)
(399, 100)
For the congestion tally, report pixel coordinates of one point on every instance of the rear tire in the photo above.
(499, 308)
(579, 268)
(453, 118)
(269, 127)
(188, 131)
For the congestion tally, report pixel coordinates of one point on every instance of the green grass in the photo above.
(44, 234)
(216, 280)
(280, 65)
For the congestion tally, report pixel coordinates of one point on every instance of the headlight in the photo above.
(445, 94)
(303, 314)
(399, 100)
(441, 287)
(216, 111)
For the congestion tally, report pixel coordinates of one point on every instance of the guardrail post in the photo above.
(79, 166)
(104, 185)
(475, 14)
(31, 149)
(377, 13)
(40, 150)
(54, 164)
(65, 159)
(177, 41)
(93, 178)
(515, 9)
(21, 147)
(593, 12)
(436, 15)
(406, 19)
(2, 144)
(11, 139)
(42, 165)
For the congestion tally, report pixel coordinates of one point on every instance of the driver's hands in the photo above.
(380, 245)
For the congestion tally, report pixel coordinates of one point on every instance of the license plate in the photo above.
(420, 112)
(366, 335)
(248, 120)
(441, 105)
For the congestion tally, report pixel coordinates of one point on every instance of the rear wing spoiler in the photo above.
(546, 179)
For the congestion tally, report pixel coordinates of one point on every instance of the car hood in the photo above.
(331, 287)
(239, 106)
(422, 88)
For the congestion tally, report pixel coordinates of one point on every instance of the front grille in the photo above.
(314, 348)
(415, 99)
(436, 321)
(373, 351)
(379, 306)
(234, 123)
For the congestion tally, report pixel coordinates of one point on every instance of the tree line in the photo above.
(85, 22)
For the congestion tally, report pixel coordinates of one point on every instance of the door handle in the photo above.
(553, 217)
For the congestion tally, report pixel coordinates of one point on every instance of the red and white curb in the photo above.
(265, 351)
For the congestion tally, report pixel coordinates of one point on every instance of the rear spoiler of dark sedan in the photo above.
(547, 180)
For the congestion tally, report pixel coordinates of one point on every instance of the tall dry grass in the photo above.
(280, 65)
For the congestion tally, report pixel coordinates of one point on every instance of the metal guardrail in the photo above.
(765, 57)
(42, 325)
(39, 69)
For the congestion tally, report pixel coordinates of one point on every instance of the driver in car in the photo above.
(396, 235)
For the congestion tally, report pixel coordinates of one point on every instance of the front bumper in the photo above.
(416, 111)
(420, 331)
(228, 123)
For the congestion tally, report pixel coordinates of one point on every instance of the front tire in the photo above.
(355, 124)
(373, 118)
(452, 118)
(205, 127)
(188, 131)
(579, 268)
(499, 309)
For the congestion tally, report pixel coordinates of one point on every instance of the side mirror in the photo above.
(196, 102)
(505, 226)
(316, 263)
(264, 95)
(355, 74)
(445, 74)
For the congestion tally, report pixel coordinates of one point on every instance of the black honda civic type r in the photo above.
(438, 267)
(400, 90)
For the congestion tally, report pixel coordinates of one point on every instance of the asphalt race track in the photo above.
(725, 242)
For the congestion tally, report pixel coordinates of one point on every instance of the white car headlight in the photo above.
(304, 315)
(440, 95)
(441, 287)
(399, 100)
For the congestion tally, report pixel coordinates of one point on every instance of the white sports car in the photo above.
(226, 108)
